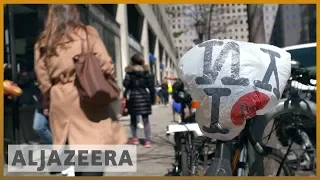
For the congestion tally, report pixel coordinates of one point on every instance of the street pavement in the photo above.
(157, 160)
(154, 161)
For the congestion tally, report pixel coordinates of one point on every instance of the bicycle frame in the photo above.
(224, 152)
(301, 157)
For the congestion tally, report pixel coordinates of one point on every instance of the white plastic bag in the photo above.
(233, 81)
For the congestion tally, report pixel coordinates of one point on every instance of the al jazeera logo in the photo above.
(86, 158)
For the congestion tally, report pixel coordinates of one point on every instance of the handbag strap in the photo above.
(87, 39)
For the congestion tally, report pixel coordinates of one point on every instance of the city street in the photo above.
(155, 45)
(157, 160)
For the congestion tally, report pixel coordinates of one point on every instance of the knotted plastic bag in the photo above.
(233, 81)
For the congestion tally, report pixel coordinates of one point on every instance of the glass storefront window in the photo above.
(27, 22)
(83, 13)
(109, 41)
(27, 26)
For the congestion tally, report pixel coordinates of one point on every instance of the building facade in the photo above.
(228, 21)
(297, 23)
(256, 24)
(284, 24)
(125, 30)
(269, 18)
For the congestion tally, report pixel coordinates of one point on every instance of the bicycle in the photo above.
(299, 127)
(187, 154)
(225, 156)
(184, 144)
(183, 134)
(232, 158)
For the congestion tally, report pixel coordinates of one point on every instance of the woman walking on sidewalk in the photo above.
(72, 122)
(140, 83)
(164, 91)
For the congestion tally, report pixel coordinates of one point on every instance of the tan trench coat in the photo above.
(68, 120)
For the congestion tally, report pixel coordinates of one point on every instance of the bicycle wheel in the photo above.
(271, 169)
(184, 161)
(285, 106)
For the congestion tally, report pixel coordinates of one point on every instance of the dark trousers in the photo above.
(146, 124)
(165, 97)
(87, 173)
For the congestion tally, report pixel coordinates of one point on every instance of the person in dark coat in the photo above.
(164, 91)
(31, 95)
(140, 83)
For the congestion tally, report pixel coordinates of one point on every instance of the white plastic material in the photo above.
(233, 81)
(174, 128)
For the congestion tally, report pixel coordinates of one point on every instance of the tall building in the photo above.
(182, 21)
(269, 18)
(228, 21)
(284, 24)
(295, 24)
(256, 24)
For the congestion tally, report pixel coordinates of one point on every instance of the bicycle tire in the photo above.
(278, 156)
(306, 107)
(184, 161)
(289, 105)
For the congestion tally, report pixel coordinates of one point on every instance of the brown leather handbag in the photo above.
(94, 86)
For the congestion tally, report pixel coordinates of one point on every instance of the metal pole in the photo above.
(15, 104)
(210, 17)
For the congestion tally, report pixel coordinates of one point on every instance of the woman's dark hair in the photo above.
(62, 20)
(137, 59)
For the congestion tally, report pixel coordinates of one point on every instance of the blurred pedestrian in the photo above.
(169, 91)
(158, 93)
(176, 109)
(40, 119)
(71, 122)
(140, 82)
(164, 92)
(33, 95)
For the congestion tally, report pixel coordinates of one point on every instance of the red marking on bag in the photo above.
(247, 106)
